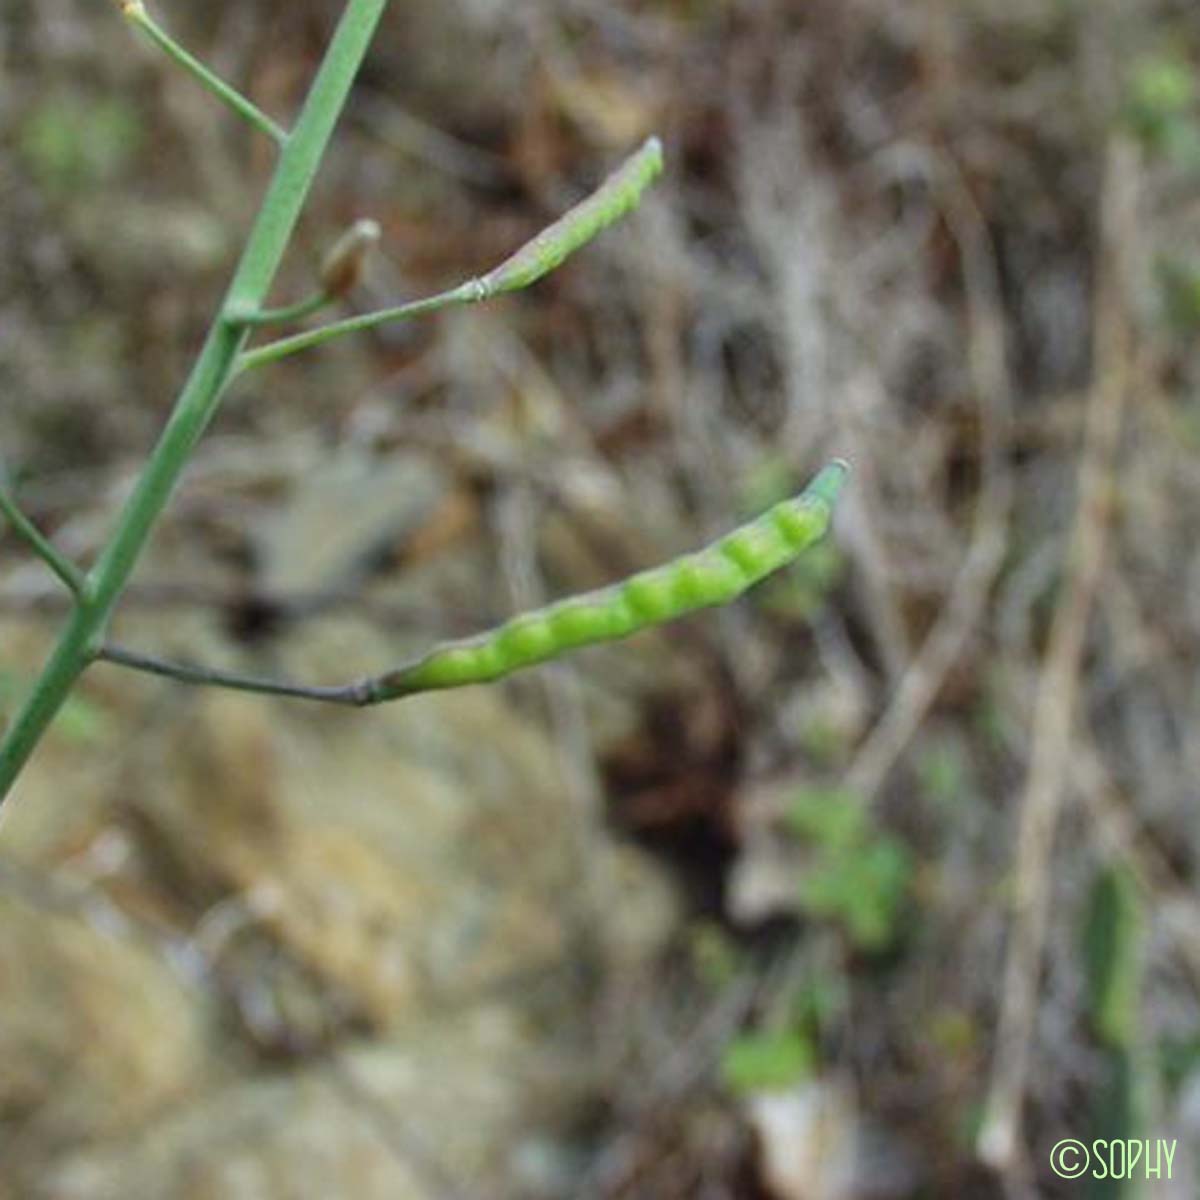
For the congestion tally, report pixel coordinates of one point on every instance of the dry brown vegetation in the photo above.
(510, 942)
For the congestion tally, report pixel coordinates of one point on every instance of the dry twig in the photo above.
(923, 677)
(1000, 1142)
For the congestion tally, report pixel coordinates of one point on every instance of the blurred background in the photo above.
(878, 883)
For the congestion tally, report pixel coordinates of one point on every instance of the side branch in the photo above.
(135, 12)
(712, 576)
(356, 694)
(616, 196)
(465, 293)
(29, 533)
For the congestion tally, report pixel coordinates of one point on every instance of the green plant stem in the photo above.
(66, 570)
(465, 293)
(302, 152)
(351, 693)
(137, 15)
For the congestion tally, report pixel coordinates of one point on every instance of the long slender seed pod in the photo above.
(619, 193)
(715, 575)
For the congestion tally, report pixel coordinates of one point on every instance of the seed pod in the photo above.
(619, 193)
(715, 575)
(342, 267)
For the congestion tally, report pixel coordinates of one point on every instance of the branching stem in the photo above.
(615, 196)
(303, 149)
(137, 15)
(284, 315)
(25, 529)
(709, 577)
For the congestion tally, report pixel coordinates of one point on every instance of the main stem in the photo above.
(298, 163)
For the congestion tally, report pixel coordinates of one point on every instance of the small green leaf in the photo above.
(1160, 107)
(830, 818)
(763, 1062)
(1161, 86)
(1112, 936)
(855, 876)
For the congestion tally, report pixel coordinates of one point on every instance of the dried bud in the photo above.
(343, 265)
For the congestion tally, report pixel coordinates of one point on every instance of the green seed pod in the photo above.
(649, 596)
(619, 193)
(755, 549)
(711, 576)
(579, 622)
(453, 667)
(794, 523)
(705, 579)
(526, 639)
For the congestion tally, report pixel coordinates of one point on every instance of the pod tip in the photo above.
(828, 481)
